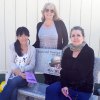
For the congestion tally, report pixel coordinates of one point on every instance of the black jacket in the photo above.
(62, 34)
(78, 72)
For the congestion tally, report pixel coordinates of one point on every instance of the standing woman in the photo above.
(77, 70)
(51, 34)
(22, 59)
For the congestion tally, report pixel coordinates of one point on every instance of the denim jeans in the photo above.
(53, 92)
(11, 89)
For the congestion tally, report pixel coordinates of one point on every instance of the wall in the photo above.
(15, 13)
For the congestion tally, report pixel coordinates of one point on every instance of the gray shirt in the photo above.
(48, 37)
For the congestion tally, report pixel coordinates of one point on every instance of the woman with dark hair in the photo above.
(77, 70)
(51, 34)
(22, 59)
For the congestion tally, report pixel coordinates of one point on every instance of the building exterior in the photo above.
(15, 13)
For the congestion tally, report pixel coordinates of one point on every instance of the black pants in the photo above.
(49, 79)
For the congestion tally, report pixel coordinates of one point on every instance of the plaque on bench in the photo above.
(48, 61)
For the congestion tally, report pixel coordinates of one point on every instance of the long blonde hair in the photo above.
(55, 17)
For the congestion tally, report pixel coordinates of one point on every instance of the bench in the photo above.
(37, 91)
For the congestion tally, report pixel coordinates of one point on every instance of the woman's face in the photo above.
(23, 39)
(76, 37)
(48, 13)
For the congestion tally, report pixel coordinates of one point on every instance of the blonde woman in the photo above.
(51, 34)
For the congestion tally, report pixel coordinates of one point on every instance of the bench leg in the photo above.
(22, 97)
(31, 98)
(98, 97)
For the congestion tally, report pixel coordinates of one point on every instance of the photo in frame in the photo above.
(48, 61)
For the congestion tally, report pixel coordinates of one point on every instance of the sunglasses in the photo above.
(49, 10)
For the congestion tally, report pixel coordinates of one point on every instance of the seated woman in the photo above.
(22, 59)
(77, 70)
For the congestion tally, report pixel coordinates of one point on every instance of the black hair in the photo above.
(78, 28)
(20, 31)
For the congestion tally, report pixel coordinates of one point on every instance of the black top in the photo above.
(62, 34)
(77, 73)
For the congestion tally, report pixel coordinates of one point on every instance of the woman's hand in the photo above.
(64, 90)
(18, 72)
(23, 75)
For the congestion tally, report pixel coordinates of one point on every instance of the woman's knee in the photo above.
(14, 81)
(11, 82)
(49, 89)
(53, 88)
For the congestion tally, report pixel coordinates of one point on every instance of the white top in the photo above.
(21, 61)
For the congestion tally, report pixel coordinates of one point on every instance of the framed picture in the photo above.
(48, 61)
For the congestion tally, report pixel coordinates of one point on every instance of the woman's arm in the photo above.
(12, 56)
(90, 65)
(64, 34)
(37, 43)
(63, 70)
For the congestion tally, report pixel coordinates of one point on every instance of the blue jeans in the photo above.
(53, 92)
(11, 89)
